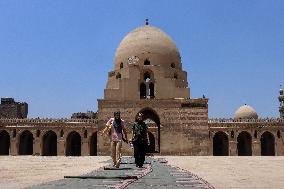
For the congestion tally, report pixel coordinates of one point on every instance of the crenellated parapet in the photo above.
(230, 120)
(49, 122)
(250, 124)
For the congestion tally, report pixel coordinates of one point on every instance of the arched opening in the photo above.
(244, 144)
(4, 143)
(118, 76)
(121, 65)
(151, 90)
(220, 144)
(151, 147)
(152, 120)
(173, 65)
(267, 144)
(93, 144)
(61, 133)
(175, 75)
(146, 62)
(49, 144)
(147, 76)
(142, 90)
(26, 143)
(73, 144)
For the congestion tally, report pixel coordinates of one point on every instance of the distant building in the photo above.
(11, 109)
(83, 115)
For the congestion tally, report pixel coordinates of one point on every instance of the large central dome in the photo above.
(148, 42)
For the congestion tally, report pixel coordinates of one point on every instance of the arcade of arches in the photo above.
(49, 143)
(224, 139)
(246, 143)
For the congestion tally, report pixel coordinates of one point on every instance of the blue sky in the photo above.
(55, 55)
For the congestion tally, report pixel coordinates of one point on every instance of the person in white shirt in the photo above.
(117, 126)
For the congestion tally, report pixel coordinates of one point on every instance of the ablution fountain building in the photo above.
(147, 77)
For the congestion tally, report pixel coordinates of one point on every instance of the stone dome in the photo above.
(246, 112)
(147, 42)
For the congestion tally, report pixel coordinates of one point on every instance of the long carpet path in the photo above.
(156, 173)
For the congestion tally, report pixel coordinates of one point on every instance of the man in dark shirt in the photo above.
(140, 140)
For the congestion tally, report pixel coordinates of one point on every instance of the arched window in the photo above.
(118, 76)
(147, 76)
(151, 90)
(142, 90)
(173, 65)
(175, 76)
(121, 65)
(146, 62)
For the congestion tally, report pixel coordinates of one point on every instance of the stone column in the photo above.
(60, 146)
(14, 146)
(256, 148)
(37, 146)
(233, 148)
(85, 147)
(279, 147)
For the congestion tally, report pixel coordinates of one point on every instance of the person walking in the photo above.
(115, 127)
(140, 140)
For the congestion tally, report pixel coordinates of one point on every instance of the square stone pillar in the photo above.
(13, 146)
(256, 148)
(233, 148)
(36, 146)
(60, 146)
(279, 151)
(85, 150)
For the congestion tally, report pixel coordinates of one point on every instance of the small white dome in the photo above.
(246, 112)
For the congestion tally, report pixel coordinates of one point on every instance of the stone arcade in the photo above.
(148, 77)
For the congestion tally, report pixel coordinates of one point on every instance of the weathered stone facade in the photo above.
(11, 109)
(148, 78)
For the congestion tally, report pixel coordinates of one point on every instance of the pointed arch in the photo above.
(49, 144)
(152, 118)
(142, 90)
(73, 144)
(26, 143)
(4, 143)
(267, 144)
(93, 144)
(151, 90)
(244, 144)
(220, 144)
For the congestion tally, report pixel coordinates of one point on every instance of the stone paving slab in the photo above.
(155, 174)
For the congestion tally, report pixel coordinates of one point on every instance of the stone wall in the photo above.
(183, 123)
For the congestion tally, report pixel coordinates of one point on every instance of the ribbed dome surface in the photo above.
(147, 42)
(246, 112)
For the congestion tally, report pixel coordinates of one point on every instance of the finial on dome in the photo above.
(147, 22)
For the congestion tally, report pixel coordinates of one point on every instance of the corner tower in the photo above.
(148, 78)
